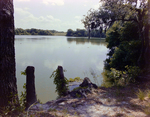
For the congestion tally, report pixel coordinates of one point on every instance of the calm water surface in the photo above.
(79, 56)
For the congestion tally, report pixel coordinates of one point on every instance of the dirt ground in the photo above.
(103, 102)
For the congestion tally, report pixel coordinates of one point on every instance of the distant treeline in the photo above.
(84, 33)
(33, 31)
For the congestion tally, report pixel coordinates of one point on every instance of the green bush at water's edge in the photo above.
(121, 66)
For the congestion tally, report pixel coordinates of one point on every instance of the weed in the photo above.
(76, 114)
(147, 110)
(115, 77)
(78, 95)
(23, 72)
(109, 100)
(77, 79)
(61, 87)
(39, 101)
(79, 88)
(134, 106)
(41, 108)
(22, 100)
(119, 115)
(51, 110)
(119, 99)
(148, 93)
(117, 93)
(95, 76)
(65, 111)
(15, 108)
(74, 105)
(141, 95)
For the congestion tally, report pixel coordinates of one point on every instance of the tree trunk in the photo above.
(148, 12)
(8, 87)
(147, 40)
(148, 48)
(89, 32)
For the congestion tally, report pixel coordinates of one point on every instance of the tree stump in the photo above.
(30, 87)
(62, 78)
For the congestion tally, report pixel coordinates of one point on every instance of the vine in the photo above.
(61, 84)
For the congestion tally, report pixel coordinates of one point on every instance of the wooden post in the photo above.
(30, 87)
(61, 73)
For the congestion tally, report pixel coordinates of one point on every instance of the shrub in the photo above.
(141, 95)
(115, 77)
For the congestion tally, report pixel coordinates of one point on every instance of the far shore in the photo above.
(92, 38)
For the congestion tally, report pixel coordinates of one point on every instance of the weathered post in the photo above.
(62, 78)
(30, 86)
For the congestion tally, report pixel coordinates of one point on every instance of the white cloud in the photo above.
(22, 12)
(24, 18)
(54, 2)
(78, 17)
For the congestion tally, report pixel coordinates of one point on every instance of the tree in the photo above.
(70, 32)
(124, 46)
(8, 87)
(32, 31)
(123, 10)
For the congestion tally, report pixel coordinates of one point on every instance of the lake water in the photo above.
(79, 56)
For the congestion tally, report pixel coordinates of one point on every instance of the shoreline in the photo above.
(108, 102)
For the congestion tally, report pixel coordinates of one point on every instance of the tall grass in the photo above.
(141, 95)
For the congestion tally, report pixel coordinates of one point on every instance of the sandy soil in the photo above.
(103, 102)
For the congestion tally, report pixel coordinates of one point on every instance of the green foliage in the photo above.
(84, 33)
(78, 95)
(32, 31)
(59, 82)
(115, 77)
(130, 35)
(141, 95)
(13, 110)
(124, 48)
(132, 72)
(77, 33)
(22, 100)
(23, 72)
(112, 36)
(70, 32)
(96, 33)
(50, 110)
(77, 79)
(79, 88)
(121, 65)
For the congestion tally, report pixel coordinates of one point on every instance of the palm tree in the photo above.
(8, 86)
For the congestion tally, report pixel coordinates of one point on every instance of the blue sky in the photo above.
(52, 14)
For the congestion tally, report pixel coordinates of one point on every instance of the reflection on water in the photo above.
(83, 41)
(77, 55)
